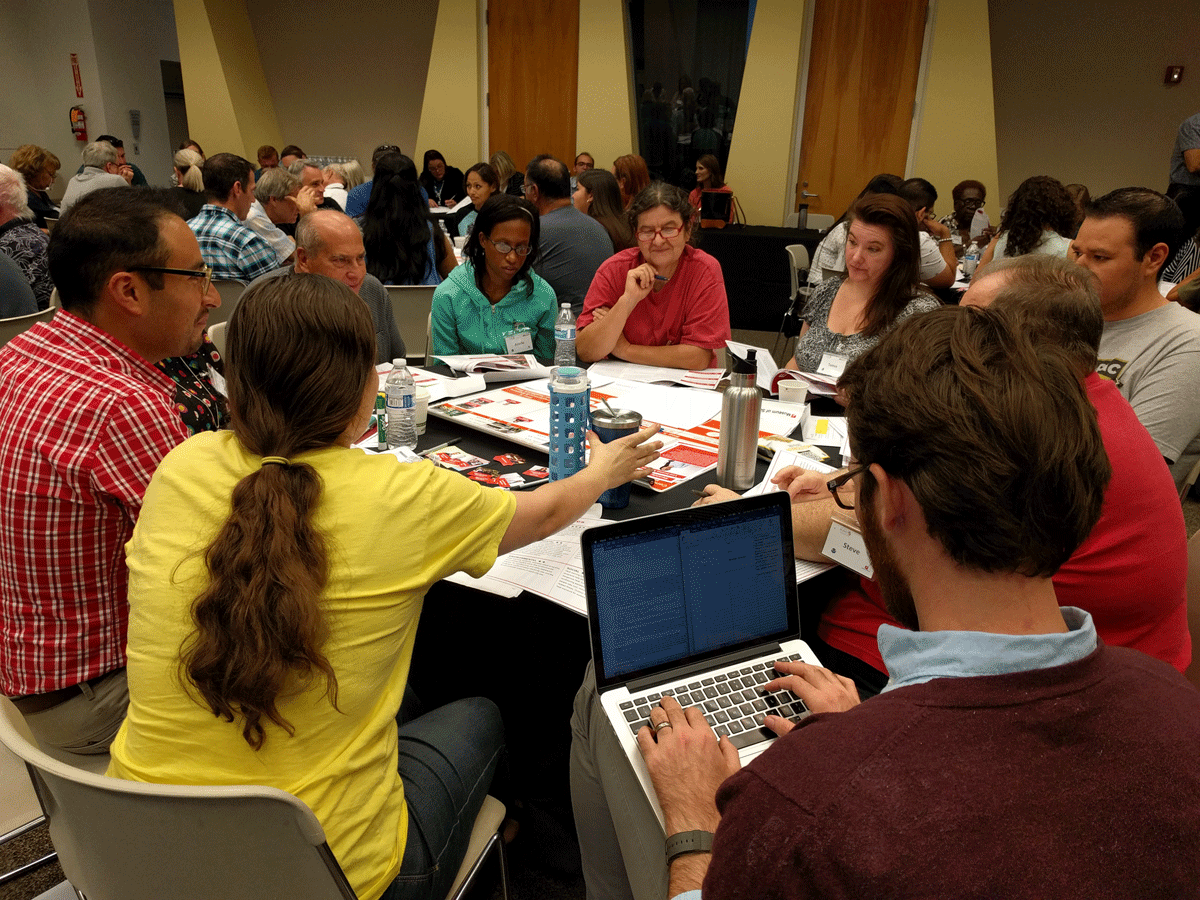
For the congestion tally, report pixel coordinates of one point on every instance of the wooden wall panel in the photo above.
(862, 81)
(533, 76)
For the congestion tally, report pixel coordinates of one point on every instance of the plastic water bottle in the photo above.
(971, 259)
(564, 337)
(401, 403)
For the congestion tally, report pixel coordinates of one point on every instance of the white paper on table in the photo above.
(780, 418)
(612, 368)
(845, 451)
(806, 569)
(678, 407)
(551, 568)
(781, 460)
(486, 583)
(825, 431)
(767, 370)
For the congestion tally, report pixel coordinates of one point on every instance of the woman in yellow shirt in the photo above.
(276, 582)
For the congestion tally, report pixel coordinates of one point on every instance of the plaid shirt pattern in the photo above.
(84, 422)
(234, 251)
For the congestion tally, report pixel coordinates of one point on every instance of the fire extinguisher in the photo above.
(79, 123)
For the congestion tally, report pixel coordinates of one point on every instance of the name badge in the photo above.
(844, 545)
(832, 364)
(519, 340)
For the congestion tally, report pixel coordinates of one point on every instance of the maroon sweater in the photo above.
(1076, 781)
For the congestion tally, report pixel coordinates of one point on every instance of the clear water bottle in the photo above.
(971, 259)
(564, 337)
(401, 407)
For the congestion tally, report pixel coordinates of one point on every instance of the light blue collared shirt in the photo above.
(914, 657)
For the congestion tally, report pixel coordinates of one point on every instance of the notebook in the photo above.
(698, 603)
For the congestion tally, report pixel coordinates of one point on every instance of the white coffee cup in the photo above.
(460, 242)
(792, 391)
(421, 405)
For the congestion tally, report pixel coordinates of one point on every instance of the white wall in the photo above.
(129, 46)
(117, 44)
(37, 38)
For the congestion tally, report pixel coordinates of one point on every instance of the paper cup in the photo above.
(421, 405)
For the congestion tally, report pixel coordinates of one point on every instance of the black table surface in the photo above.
(472, 643)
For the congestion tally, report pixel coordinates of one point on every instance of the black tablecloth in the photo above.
(757, 268)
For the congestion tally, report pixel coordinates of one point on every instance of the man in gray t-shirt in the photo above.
(572, 244)
(1185, 158)
(1150, 346)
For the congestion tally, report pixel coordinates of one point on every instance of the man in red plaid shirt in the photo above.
(85, 419)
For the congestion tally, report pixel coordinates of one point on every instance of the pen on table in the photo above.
(527, 484)
(440, 447)
(381, 443)
(658, 277)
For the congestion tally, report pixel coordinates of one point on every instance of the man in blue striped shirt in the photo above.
(234, 251)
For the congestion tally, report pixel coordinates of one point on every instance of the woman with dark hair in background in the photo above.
(846, 317)
(709, 177)
(1187, 258)
(661, 303)
(443, 183)
(632, 176)
(189, 188)
(481, 184)
(1039, 218)
(270, 637)
(494, 302)
(398, 234)
(597, 194)
(512, 182)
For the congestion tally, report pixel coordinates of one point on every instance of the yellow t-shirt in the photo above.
(392, 529)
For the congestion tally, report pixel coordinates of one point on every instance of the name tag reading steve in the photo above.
(844, 545)
(519, 340)
(833, 364)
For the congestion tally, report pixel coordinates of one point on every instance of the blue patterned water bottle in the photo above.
(570, 394)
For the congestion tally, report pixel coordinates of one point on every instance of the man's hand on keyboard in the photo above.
(820, 689)
(687, 764)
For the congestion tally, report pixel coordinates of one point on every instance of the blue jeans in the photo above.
(446, 760)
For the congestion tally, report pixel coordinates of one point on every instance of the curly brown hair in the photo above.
(1038, 203)
(31, 160)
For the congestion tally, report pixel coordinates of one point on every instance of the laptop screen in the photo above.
(690, 585)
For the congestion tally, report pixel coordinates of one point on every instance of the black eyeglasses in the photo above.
(834, 483)
(206, 273)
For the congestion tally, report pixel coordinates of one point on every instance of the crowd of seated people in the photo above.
(176, 453)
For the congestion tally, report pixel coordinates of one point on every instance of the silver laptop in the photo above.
(698, 604)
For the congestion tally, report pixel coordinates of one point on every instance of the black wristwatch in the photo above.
(685, 842)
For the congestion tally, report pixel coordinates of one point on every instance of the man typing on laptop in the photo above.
(1012, 753)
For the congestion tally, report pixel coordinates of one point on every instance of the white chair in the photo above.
(411, 305)
(819, 221)
(125, 840)
(216, 334)
(429, 340)
(231, 292)
(10, 328)
(55, 300)
(799, 269)
(1190, 480)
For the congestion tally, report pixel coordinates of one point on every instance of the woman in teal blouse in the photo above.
(494, 302)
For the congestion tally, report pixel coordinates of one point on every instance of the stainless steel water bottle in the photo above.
(740, 409)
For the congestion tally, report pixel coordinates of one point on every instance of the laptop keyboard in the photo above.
(732, 701)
